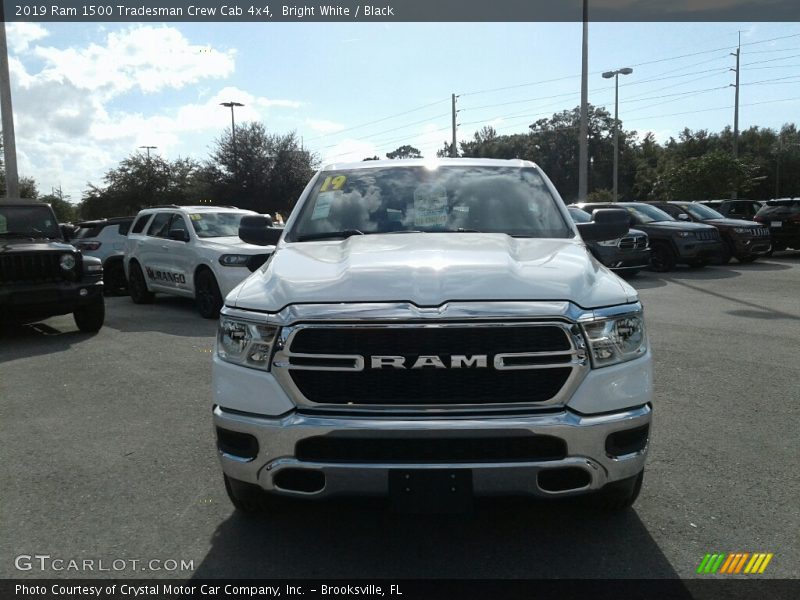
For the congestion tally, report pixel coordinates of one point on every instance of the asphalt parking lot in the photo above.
(109, 454)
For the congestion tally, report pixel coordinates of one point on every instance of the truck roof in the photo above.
(431, 162)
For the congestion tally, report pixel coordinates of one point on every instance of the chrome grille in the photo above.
(424, 365)
(760, 232)
(707, 235)
(633, 242)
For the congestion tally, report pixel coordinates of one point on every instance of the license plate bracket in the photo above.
(431, 490)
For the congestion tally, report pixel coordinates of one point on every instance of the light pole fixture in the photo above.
(615, 75)
(231, 105)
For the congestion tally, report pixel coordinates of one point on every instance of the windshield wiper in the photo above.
(329, 235)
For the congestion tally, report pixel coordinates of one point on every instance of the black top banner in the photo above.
(267, 11)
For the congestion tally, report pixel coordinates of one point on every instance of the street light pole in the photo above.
(615, 75)
(583, 126)
(9, 142)
(231, 105)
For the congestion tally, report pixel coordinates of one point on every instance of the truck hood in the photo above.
(670, 226)
(18, 245)
(429, 269)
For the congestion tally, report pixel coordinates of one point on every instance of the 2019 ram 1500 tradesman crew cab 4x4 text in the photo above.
(432, 330)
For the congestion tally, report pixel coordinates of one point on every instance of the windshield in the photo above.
(219, 224)
(701, 211)
(28, 222)
(509, 200)
(645, 213)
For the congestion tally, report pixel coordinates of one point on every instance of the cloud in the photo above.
(146, 58)
(324, 127)
(21, 35)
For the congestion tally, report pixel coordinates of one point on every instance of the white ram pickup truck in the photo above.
(432, 331)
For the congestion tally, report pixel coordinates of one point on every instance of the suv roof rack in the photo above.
(162, 206)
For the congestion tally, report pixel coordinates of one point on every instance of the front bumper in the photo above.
(744, 247)
(695, 250)
(30, 301)
(585, 440)
(623, 260)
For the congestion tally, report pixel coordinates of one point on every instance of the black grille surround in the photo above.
(707, 235)
(517, 364)
(32, 267)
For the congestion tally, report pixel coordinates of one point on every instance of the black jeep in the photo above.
(41, 275)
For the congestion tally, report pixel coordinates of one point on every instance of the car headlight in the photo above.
(744, 230)
(67, 262)
(245, 343)
(684, 234)
(609, 243)
(234, 260)
(616, 340)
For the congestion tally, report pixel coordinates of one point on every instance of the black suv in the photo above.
(783, 219)
(744, 240)
(672, 242)
(41, 275)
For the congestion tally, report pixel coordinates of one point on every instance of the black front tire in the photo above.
(114, 278)
(90, 318)
(619, 495)
(137, 286)
(662, 258)
(207, 295)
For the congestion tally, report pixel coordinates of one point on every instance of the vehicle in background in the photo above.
(783, 219)
(105, 239)
(672, 242)
(744, 240)
(190, 251)
(625, 256)
(41, 274)
(735, 209)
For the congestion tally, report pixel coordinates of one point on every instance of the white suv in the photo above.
(191, 251)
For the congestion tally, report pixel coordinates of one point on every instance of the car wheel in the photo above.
(725, 256)
(207, 295)
(90, 318)
(618, 495)
(249, 499)
(662, 258)
(137, 286)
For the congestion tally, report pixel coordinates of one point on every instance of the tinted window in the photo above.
(87, 231)
(123, 227)
(701, 211)
(514, 201)
(138, 227)
(780, 208)
(178, 224)
(579, 216)
(644, 213)
(158, 227)
(672, 210)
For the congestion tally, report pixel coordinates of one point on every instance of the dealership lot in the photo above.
(110, 455)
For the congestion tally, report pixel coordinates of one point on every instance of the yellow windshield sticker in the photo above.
(333, 183)
(196, 217)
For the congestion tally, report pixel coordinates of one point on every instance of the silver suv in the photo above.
(190, 251)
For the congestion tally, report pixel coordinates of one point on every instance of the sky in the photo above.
(86, 95)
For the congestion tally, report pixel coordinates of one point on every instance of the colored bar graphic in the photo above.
(734, 563)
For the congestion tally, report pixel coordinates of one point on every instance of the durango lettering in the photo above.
(457, 361)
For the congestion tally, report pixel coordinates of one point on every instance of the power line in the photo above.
(365, 137)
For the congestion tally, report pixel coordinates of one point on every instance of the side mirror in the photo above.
(179, 235)
(258, 230)
(683, 217)
(66, 232)
(606, 224)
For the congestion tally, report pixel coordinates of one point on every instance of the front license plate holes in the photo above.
(431, 490)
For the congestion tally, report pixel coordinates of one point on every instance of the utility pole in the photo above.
(737, 54)
(583, 135)
(453, 149)
(9, 143)
(148, 148)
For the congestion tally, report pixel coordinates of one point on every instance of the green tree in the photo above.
(66, 212)
(712, 175)
(405, 151)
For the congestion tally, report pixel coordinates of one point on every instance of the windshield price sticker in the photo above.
(430, 205)
(333, 183)
(196, 217)
(323, 206)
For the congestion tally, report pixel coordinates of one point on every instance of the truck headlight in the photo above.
(616, 340)
(609, 243)
(234, 260)
(744, 230)
(245, 343)
(67, 262)
(684, 234)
